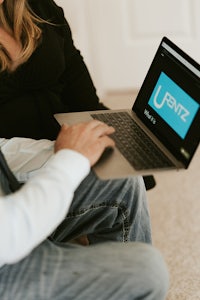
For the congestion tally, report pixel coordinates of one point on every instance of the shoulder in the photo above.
(48, 10)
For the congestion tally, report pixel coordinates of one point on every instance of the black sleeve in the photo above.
(79, 93)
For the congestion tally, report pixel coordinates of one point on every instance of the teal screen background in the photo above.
(173, 105)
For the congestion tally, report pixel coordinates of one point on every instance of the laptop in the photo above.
(162, 130)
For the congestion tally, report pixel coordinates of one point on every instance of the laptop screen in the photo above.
(173, 105)
(169, 100)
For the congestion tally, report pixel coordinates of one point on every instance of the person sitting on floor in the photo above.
(62, 200)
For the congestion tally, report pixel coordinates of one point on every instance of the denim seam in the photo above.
(125, 223)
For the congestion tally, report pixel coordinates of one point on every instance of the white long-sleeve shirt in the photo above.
(28, 216)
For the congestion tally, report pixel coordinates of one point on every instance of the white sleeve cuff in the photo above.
(73, 164)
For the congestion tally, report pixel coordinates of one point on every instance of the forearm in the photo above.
(30, 215)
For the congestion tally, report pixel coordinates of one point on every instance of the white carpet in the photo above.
(175, 208)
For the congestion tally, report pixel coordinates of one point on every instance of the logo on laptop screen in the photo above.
(173, 105)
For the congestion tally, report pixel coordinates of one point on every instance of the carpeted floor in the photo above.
(175, 208)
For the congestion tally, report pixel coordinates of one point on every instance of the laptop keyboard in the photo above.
(133, 142)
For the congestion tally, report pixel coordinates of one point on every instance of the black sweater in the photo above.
(54, 79)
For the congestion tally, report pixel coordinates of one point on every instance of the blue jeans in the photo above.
(109, 212)
(113, 210)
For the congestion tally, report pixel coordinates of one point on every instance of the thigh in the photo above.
(107, 210)
(103, 271)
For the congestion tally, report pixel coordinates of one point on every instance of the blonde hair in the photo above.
(17, 18)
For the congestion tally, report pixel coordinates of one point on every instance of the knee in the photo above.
(152, 273)
(135, 270)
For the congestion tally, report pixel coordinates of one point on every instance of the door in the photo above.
(118, 38)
